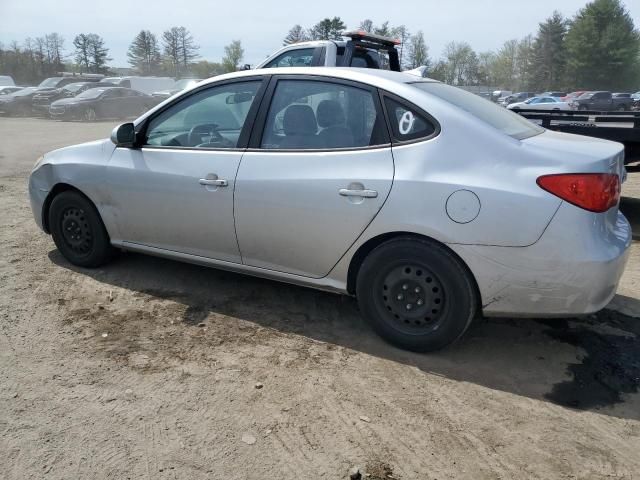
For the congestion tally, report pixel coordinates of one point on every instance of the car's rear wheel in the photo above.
(622, 108)
(89, 114)
(78, 231)
(416, 294)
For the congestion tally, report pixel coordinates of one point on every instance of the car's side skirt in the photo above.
(326, 284)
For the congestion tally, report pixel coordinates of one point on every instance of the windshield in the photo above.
(24, 92)
(529, 100)
(92, 93)
(49, 82)
(499, 118)
(586, 95)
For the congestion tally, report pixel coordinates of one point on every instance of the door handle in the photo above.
(213, 182)
(345, 192)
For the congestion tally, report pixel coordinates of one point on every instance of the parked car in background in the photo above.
(518, 97)
(6, 81)
(552, 94)
(540, 103)
(178, 86)
(22, 106)
(104, 102)
(43, 99)
(8, 90)
(146, 85)
(17, 104)
(439, 204)
(570, 96)
(496, 95)
(601, 101)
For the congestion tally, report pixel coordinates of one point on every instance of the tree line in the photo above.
(174, 53)
(599, 48)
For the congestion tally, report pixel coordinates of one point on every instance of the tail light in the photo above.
(596, 192)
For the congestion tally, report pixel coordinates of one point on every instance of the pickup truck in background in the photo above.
(363, 50)
(602, 101)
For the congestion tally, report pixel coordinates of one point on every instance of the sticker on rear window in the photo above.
(405, 124)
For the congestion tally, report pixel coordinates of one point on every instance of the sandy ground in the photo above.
(149, 368)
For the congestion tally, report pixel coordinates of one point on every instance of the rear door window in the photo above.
(310, 114)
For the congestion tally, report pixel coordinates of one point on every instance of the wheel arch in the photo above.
(57, 189)
(367, 247)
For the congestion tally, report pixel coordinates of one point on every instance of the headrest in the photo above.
(299, 120)
(330, 113)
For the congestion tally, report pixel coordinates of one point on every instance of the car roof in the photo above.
(371, 76)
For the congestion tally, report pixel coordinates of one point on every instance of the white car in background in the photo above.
(540, 103)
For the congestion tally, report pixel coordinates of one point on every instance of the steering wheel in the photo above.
(207, 129)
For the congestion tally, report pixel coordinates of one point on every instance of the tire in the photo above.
(89, 115)
(622, 108)
(583, 108)
(416, 294)
(78, 231)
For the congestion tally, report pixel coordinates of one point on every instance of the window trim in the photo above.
(410, 106)
(255, 141)
(247, 128)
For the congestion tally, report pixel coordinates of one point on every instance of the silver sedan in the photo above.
(429, 204)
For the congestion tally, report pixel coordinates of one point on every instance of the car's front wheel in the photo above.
(416, 294)
(89, 114)
(78, 231)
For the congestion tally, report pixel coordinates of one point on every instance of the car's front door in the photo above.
(315, 176)
(175, 192)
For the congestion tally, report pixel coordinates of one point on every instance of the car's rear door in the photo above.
(174, 192)
(318, 171)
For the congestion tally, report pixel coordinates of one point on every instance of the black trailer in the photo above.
(623, 127)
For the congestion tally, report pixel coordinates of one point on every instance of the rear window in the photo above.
(499, 118)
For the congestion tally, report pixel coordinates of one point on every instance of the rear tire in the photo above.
(78, 231)
(416, 294)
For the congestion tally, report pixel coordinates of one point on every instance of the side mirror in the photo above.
(124, 135)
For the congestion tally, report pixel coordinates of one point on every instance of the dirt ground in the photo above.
(150, 368)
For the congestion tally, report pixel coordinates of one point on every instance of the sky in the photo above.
(261, 25)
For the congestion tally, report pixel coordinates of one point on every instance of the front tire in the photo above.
(89, 115)
(416, 294)
(78, 231)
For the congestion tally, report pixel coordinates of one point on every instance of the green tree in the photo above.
(417, 51)
(91, 52)
(366, 25)
(233, 55)
(549, 56)
(461, 64)
(99, 54)
(328, 29)
(603, 47)
(83, 48)
(179, 49)
(144, 53)
(296, 34)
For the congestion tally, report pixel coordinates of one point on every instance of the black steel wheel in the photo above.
(416, 294)
(78, 231)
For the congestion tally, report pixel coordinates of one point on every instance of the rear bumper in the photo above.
(574, 268)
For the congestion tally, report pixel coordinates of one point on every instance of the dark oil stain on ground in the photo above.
(610, 366)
